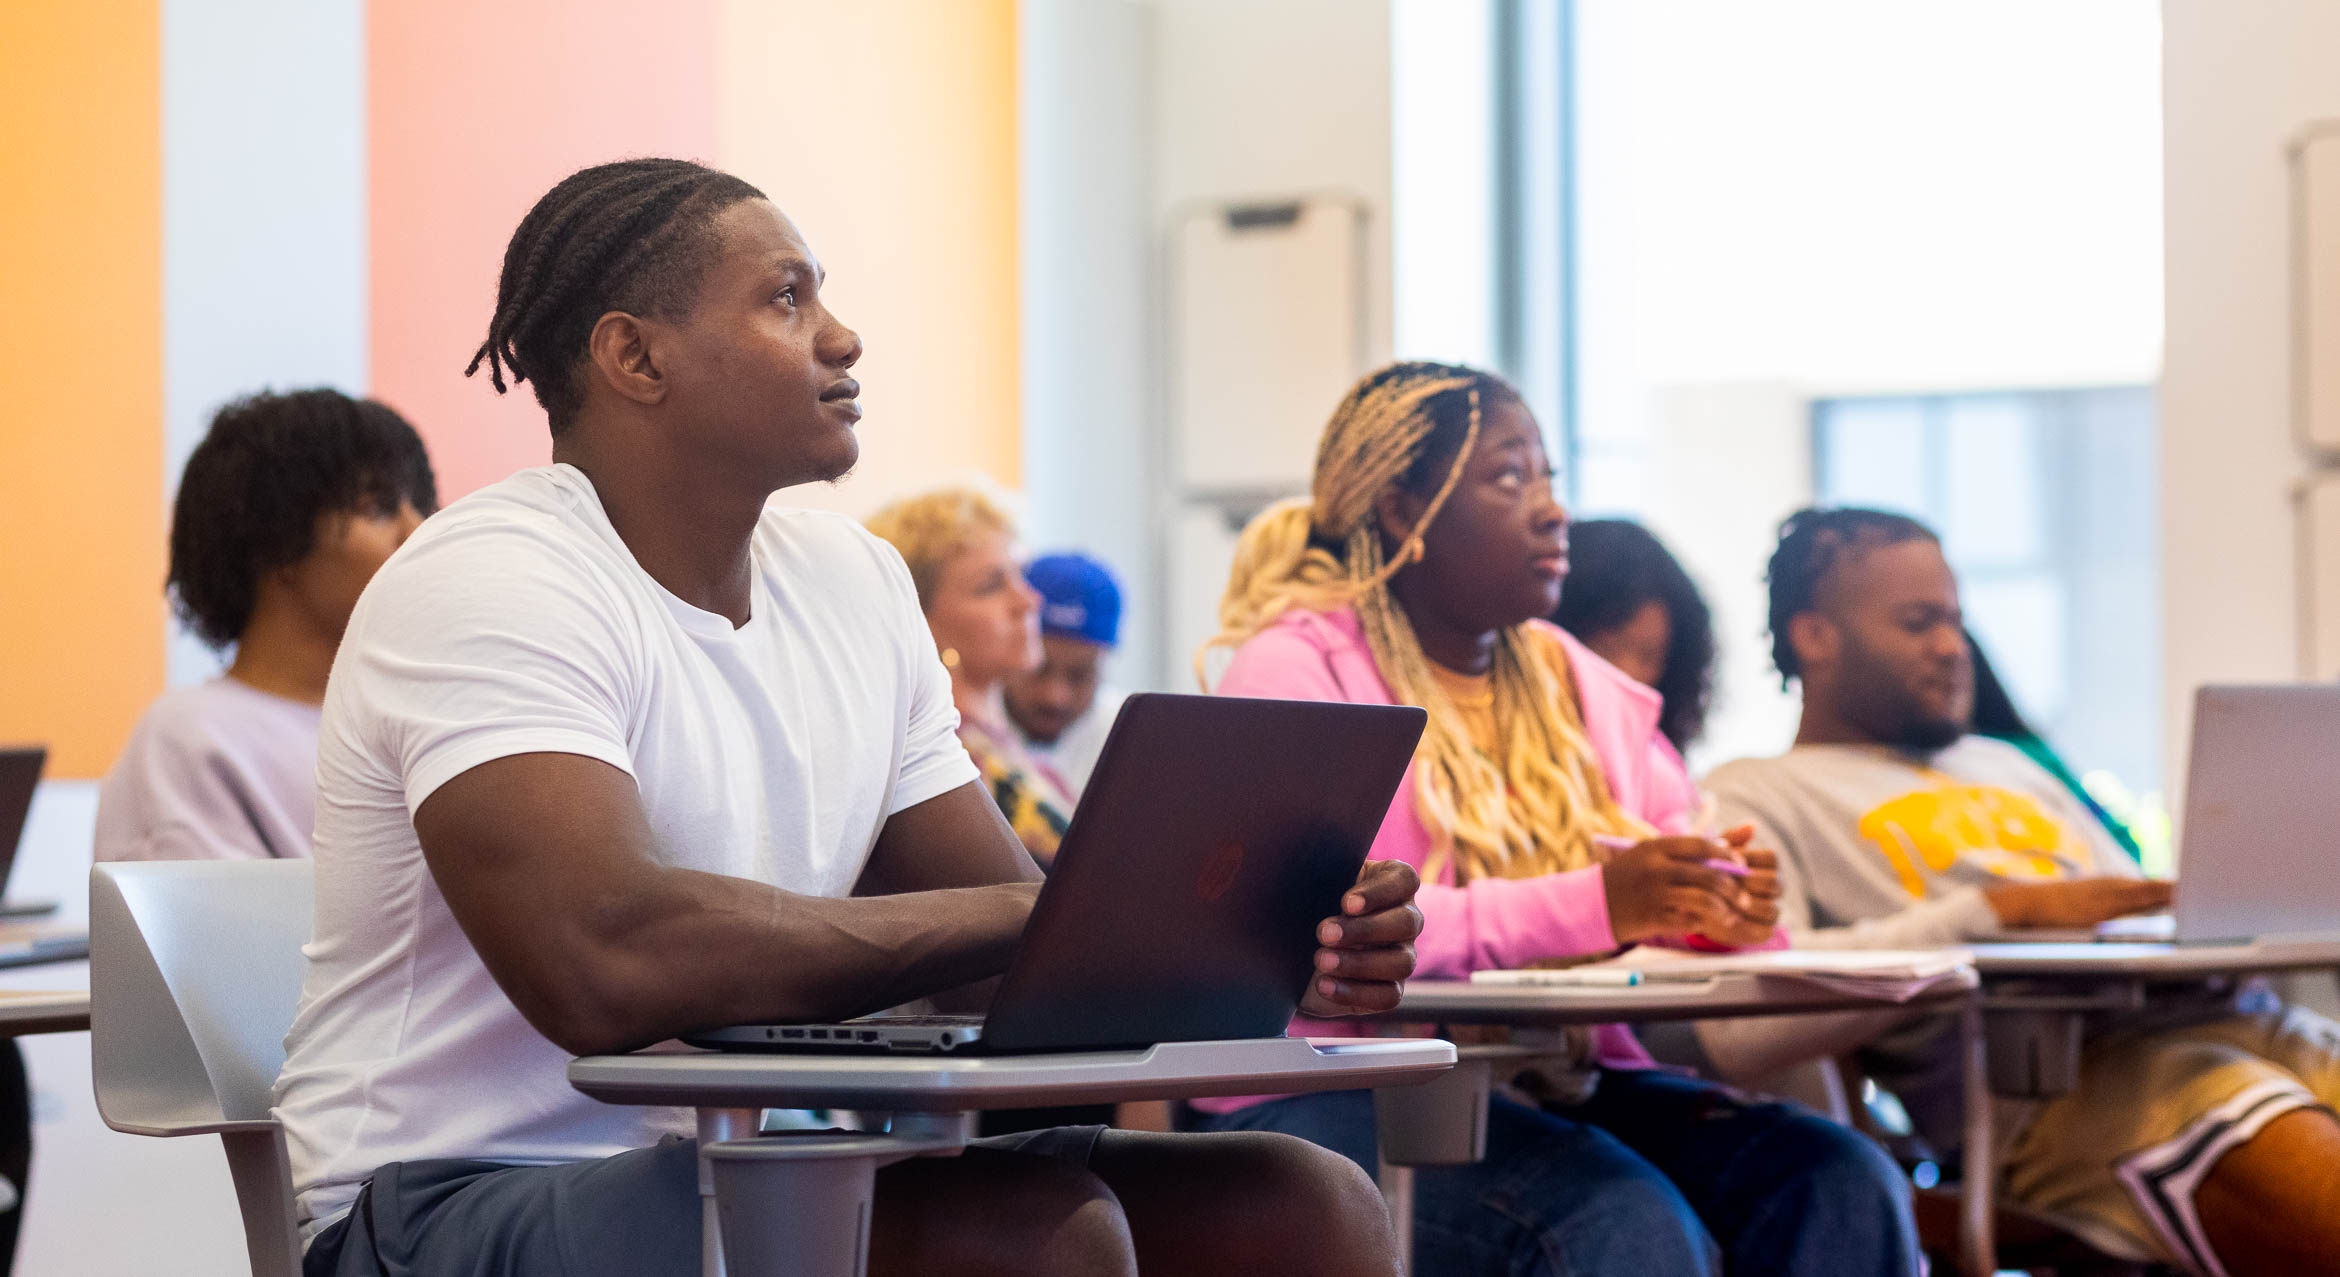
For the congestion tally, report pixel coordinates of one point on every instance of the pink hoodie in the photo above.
(1487, 922)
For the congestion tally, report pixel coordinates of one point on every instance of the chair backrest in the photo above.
(195, 971)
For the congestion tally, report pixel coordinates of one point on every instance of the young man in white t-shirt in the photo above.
(614, 750)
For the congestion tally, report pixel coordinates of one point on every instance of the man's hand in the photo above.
(1755, 913)
(1663, 887)
(1368, 951)
(2076, 902)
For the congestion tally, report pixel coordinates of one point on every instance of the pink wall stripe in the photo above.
(475, 111)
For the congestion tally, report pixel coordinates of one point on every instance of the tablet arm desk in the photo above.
(2037, 996)
(797, 1205)
(1445, 1122)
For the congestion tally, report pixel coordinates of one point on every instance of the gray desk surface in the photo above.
(2152, 961)
(1461, 1002)
(953, 1083)
(24, 1011)
(50, 997)
(1740, 994)
(41, 943)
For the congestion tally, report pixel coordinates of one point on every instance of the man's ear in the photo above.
(1814, 638)
(619, 351)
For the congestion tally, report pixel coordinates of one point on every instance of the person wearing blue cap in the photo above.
(1057, 707)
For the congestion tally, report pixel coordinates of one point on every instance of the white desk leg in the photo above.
(716, 1126)
(1397, 1192)
(1978, 1242)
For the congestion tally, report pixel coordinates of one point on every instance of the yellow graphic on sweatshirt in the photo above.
(2003, 830)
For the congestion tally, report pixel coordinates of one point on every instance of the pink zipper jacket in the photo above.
(1487, 923)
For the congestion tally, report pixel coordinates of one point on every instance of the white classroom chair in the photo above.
(194, 973)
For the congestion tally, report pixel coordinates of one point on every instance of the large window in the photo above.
(1744, 257)
(2046, 502)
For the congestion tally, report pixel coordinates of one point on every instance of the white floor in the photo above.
(107, 1205)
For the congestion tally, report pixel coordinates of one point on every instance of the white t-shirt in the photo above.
(514, 622)
(217, 771)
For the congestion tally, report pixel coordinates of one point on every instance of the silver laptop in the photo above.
(2262, 818)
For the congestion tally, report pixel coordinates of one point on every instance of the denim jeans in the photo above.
(1655, 1174)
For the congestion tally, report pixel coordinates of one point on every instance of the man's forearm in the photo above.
(688, 950)
(1954, 918)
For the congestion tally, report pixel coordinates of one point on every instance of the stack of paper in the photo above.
(1891, 975)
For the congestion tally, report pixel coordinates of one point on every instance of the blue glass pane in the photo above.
(1994, 484)
(1873, 453)
(2020, 621)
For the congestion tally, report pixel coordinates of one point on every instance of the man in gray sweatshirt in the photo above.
(2201, 1134)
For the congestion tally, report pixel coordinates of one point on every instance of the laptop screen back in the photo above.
(2258, 858)
(20, 775)
(1214, 836)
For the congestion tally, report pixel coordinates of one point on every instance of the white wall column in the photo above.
(2239, 80)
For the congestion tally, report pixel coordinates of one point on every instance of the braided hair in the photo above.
(1535, 809)
(634, 236)
(1812, 542)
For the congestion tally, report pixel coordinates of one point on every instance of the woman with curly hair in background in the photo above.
(285, 511)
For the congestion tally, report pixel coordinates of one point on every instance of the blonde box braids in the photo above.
(1534, 810)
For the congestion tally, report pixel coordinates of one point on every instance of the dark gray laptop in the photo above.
(20, 776)
(1214, 835)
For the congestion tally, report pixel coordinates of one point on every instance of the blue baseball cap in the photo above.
(1078, 598)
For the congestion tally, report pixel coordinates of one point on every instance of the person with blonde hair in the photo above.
(961, 550)
(1550, 823)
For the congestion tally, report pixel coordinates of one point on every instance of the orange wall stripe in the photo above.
(476, 110)
(81, 515)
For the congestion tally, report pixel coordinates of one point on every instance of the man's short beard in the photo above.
(1928, 735)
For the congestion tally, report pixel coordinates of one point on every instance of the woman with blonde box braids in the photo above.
(1550, 823)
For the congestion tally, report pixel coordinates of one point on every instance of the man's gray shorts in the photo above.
(633, 1215)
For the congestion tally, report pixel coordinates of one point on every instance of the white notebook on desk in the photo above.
(1894, 975)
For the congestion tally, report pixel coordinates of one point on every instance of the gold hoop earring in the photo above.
(950, 658)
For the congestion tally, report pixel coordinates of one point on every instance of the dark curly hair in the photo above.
(252, 492)
(634, 236)
(1811, 543)
(1615, 568)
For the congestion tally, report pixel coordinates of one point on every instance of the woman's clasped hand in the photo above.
(1672, 886)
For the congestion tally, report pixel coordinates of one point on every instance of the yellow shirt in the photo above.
(1474, 699)
(1474, 694)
